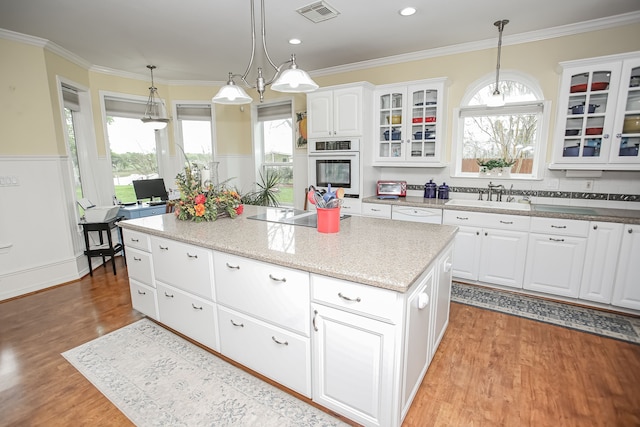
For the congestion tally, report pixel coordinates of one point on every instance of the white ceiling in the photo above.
(202, 40)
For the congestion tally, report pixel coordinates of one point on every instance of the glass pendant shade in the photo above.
(231, 94)
(151, 116)
(496, 99)
(294, 80)
(155, 124)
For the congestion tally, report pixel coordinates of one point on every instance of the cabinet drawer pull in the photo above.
(558, 226)
(141, 293)
(556, 240)
(349, 299)
(135, 240)
(236, 324)
(462, 218)
(506, 222)
(279, 342)
(137, 259)
(192, 256)
(164, 248)
(275, 279)
(168, 295)
(234, 267)
(315, 314)
(196, 308)
(375, 210)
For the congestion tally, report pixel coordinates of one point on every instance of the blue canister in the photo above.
(443, 191)
(430, 189)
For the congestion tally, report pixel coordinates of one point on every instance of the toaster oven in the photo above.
(391, 188)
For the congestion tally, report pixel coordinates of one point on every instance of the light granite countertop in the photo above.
(372, 251)
(583, 213)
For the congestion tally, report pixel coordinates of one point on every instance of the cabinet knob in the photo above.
(595, 227)
(423, 300)
(630, 230)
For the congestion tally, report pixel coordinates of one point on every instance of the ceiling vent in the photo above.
(318, 11)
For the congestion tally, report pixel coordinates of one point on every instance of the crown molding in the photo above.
(532, 36)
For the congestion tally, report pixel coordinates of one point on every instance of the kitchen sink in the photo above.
(489, 204)
(290, 216)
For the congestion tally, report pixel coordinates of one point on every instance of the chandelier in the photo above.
(152, 112)
(497, 98)
(290, 80)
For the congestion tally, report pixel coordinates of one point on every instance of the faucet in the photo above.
(499, 189)
(510, 197)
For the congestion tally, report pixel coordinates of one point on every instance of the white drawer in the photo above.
(362, 299)
(376, 210)
(556, 226)
(351, 206)
(489, 220)
(276, 294)
(144, 299)
(281, 355)
(184, 266)
(188, 314)
(140, 266)
(413, 214)
(134, 239)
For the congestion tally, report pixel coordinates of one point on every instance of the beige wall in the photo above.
(29, 92)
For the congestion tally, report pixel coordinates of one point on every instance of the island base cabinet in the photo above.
(273, 352)
(353, 365)
(144, 299)
(188, 314)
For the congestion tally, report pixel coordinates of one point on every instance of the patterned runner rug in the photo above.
(156, 378)
(621, 327)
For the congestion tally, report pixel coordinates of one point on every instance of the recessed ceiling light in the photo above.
(295, 41)
(407, 11)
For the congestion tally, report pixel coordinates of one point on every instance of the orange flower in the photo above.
(199, 209)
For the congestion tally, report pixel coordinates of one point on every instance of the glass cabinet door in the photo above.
(390, 124)
(627, 126)
(587, 107)
(424, 103)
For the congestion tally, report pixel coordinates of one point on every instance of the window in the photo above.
(194, 132)
(275, 131)
(506, 141)
(71, 103)
(133, 146)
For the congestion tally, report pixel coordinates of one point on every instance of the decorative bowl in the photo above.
(593, 131)
(631, 124)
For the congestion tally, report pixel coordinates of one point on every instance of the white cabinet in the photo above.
(337, 111)
(189, 314)
(601, 259)
(350, 206)
(376, 210)
(626, 290)
(555, 257)
(598, 122)
(408, 123)
(414, 214)
(140, 269)
(490, 248)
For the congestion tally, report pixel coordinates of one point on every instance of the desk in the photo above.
(103, 250)
(140, 211)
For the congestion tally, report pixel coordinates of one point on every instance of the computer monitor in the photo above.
(150, 188)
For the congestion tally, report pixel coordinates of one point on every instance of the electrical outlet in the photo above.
(588, 185)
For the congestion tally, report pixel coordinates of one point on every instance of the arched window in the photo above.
(501, 142)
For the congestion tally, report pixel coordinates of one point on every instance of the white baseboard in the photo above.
(37, 278)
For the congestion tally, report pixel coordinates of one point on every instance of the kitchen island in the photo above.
(350, 320)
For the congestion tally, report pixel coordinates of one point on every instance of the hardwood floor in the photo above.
(491, 369)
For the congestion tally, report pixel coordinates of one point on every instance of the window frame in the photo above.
(540, 153)
(178, 131)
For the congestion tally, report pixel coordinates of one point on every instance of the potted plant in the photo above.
(497, 167)
(266, 192)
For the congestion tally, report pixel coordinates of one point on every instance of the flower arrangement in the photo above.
(198, 203)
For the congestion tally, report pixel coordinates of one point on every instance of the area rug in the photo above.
(612, 325)
(157, 378)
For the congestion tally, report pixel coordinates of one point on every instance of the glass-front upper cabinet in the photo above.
(598, 122)
(408, 121)
(626, 138)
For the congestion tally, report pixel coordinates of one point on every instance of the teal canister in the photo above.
(443, 191)
(430, 189)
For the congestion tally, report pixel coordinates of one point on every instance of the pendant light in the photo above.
(152, 112)
(289, 80)
(497, 98)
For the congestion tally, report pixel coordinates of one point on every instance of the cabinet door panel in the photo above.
(466, 253)
(347, 115)
(554, 264)
(353, 365)
(603, 245)
(626, 292)
(320, 117)
(144, 299)
(502, 257)
(140, 266)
